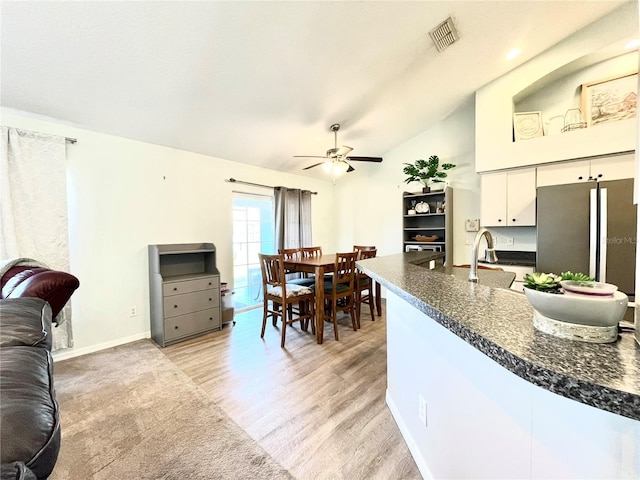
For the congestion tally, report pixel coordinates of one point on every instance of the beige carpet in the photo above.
(129, 413)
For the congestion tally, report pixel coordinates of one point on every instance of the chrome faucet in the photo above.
(489, 254)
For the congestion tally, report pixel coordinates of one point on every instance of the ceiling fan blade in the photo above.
(314, 165)
(365, 159)
(309, 156)
(343, 150)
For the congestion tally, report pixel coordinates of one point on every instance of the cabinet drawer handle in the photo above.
(513, 219)
(175, 289)
(210, 318)
(580, 177)
(210, 299)
(599, 175)
(499, 219)
(176, 327)
(209, 283)
(175, 306)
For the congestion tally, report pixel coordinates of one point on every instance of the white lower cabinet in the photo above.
(509, 198)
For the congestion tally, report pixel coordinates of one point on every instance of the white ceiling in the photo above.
(259, 82)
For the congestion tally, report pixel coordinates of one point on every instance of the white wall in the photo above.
(125, 195)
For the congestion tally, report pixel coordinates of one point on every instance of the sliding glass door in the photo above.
(253, 233)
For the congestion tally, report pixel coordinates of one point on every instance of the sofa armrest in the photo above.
(54, 286)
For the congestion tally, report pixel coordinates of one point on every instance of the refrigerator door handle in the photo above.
(603, 235)
(593, 231)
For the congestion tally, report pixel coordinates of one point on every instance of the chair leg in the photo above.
(356, 294)
(334, 317)
(284, 325)
(264, 320)
(313, 320)
(354, 322)
(370, 298)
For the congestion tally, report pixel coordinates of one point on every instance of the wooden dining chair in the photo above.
(376, 294)
(311, 252)
(299, 278)
(364, 283)
(282, 294)
(339, 291)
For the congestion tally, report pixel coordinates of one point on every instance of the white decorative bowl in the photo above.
(578, 317)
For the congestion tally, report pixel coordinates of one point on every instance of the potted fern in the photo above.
(431, 173)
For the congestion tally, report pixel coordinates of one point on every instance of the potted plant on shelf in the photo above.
(431, 173)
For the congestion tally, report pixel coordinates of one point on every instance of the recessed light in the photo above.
(632, 44)
(513, 54)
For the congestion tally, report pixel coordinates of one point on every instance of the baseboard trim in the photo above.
(413, 447)
(78, 352)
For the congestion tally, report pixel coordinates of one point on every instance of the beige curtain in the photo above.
(292, 217)
(33, 211)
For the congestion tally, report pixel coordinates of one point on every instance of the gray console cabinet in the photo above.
(184, 291)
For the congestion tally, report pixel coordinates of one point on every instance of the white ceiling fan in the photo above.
(337, 158)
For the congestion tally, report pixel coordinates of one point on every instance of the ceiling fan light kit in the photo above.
(337, 161)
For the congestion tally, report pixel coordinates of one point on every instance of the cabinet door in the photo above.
(613, 168)
(563, 173)
(521, 197)
(493, 212)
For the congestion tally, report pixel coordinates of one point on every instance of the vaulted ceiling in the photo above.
(259, 82)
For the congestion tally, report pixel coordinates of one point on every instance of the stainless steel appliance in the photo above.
(590, 228)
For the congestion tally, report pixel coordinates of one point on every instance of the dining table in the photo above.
(319, 265)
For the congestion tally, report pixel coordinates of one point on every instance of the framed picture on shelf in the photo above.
(527, 125)
(610, 99)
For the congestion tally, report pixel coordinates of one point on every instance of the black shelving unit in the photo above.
(437, 222)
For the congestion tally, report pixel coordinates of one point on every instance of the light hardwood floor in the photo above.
(319, 410)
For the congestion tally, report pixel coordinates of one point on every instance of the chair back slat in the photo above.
(344, 268)
(363, 248)
(290, 253)
(272, 267)
(310, 252)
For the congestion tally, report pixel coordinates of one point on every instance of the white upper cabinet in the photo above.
(601, 169)
(509, 198)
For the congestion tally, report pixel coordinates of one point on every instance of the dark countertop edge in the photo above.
(619, 402)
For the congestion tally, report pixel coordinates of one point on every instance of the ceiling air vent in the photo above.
(444, 34)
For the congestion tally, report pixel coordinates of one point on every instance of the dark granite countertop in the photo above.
(499, 323)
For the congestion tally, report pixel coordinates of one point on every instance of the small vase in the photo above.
(426, 189)
(437, 186)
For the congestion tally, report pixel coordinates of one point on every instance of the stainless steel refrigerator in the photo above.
(590, 228)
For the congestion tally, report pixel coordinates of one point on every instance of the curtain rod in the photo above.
(66, 139)
(233, 180)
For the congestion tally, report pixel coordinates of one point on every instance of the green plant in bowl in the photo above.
(543, 282)
(550, 282)
(577, 277)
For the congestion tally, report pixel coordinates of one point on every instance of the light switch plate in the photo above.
(472, 224)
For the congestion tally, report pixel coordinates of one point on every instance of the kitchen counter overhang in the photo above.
(499, 323)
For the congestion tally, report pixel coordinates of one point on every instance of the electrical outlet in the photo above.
(133, 311)
(509, 240)
(422, 409)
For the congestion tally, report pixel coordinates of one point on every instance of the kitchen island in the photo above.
(500, 399)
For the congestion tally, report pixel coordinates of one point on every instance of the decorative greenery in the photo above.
(427, 171)
(550, 282)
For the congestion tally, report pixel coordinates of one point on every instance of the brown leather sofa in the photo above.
(30, 434)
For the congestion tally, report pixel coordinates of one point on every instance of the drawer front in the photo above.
(186, 286)
(191, 302)
(191, 323)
